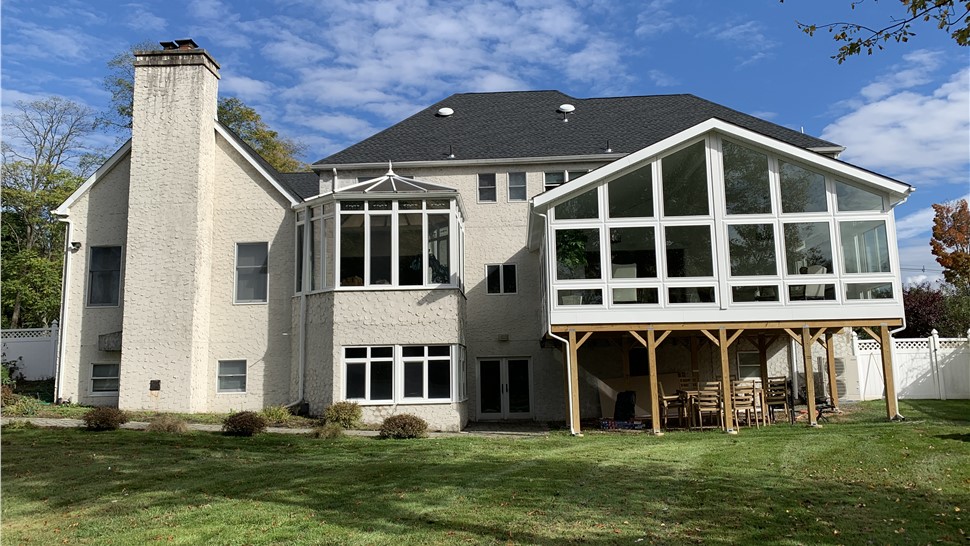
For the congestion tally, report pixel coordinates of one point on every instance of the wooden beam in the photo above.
(696, 326)
(710, 337)
(830, 360)
(793, 335)
(726, 405)
(662, 337)
(734, 337)
(818, 335)
(652, 364)
(763, 360)
(583, 340)
(809, 374)
(638, 338)
(872, 334)
(892, 407)
(574, 383)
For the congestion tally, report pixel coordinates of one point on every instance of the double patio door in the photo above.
(504, 388)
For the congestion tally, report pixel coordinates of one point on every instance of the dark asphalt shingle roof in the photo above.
(521, 124)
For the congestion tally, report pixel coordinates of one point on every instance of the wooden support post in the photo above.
(763, 359)
(726, 405)
(830, 360)
(695, 366)
(573, 378)
(885, 342)
(652, 364)
(809, 375)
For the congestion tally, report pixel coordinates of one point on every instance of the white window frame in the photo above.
(220, 375)
(457, 374)
(93, 391)
(524, 185)
(493, 187)
(121, 277)
(740, 365)
(501, 279)
(235, 284)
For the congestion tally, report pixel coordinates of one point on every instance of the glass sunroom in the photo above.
(720, 224)
(719, 237)
(390, 232)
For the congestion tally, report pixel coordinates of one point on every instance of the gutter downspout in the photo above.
(65, 278)
(565, 342)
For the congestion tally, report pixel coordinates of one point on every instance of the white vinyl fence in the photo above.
(928, 368)
(33, 349)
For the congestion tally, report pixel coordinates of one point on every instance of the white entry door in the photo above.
(504, 388)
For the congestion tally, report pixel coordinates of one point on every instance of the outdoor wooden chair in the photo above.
(745, 400)
(708, 402)
(777, 396)
(673, 402)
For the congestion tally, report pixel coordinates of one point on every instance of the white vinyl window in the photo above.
(486, 188)
(104, 276)
(517, 187)
(251, 272)
(231, 376)
(105, 378)
(403, 374)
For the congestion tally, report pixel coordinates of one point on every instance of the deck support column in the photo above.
(652, 364)
(886, 347)
(830, 360)
(727, 406)
(572, 376)
(809, 375)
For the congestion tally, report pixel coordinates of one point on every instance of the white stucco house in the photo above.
(494, 256)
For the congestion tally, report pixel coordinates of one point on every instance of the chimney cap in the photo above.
(183, 44)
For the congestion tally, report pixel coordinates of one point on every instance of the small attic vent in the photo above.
(445, 112)
(565, 110)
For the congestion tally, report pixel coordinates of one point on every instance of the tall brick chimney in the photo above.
(168, 262)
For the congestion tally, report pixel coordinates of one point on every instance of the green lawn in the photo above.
(857, 480)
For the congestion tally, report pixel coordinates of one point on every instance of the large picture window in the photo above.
(689, 251)
(104, 276)
(865, 246)
(578, 254)
(251, 272)
(685, 181)
(746, 188)
(400, 373)
(808, 248)
(751, 249)
(802, 190)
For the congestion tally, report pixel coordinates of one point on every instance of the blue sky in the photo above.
(330, 73)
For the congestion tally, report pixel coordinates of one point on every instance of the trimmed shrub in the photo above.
(345, 414)
(104, 418)
(329, 431)
(168, 423)
(276, 414)
(244, 423)
(404, 426)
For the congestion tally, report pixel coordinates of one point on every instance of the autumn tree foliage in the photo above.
(951, 242)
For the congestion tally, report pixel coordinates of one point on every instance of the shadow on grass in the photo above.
(777, 486)
(950, 411)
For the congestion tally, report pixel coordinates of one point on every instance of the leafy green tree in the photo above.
(45, 158)
(952, 16)
(278, 151)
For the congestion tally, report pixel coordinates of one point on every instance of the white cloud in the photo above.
(918, 223)
(66, 45)
(917, 70)
(655, 19)
(141, 19)
(922, 138)
(339, 124)
(245, 88)
(662, 79)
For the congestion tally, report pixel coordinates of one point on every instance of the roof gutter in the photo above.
(466, 162)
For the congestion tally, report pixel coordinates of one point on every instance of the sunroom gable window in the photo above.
(685, 181)
(746, 186)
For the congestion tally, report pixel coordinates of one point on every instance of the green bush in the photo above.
(345, 414)
(168, 423)
(404, 426)
(276, 414)
(104, 418)
(244, 423)
(329, 431)
(20, 406)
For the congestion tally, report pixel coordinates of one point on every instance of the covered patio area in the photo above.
(719, 338)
